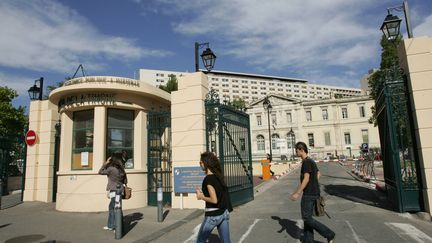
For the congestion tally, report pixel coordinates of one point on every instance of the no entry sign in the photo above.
(30, 138)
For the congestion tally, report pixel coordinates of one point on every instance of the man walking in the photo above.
(310, 187)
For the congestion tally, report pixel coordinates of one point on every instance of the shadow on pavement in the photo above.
(359, 194)
(25, 239)
(289, 226)
(130, 220)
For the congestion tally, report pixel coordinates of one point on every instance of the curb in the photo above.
(284, 173)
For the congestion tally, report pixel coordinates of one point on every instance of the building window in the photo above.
(324, 114)
(120, 130)
(365, 135)
(82, 145)
(275, 138)
(259, 121)
(260, 143)
(311, 140)
(362, 111)
(347, 136)
(344, 113)
(289, 117)
(308, 116)
(290, 140)
(327, 138)
(273, 119)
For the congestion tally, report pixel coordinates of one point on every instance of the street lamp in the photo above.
(391, 24)
(292, 136)
(268, 107)
(35, 92)
(207, 56)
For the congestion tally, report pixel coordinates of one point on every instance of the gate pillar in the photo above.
(188, 129)
(415, 57)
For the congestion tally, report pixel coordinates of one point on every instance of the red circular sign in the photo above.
(30, 138)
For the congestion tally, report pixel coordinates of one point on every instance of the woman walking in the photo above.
(215, 194)
(116, 174)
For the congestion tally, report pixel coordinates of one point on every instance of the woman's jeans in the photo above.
(310, 224)
(111, 213)
(210, 222)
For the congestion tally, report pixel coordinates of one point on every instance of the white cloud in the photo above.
(425, 28)
(45, 35)
(16, 82)
(296, 34)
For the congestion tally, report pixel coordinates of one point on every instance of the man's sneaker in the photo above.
(107, 228)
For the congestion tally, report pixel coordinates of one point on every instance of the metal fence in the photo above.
(159, 156)
(399, 157)
(12, 170)
(228, 135)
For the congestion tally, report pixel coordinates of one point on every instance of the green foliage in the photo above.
(389, 71)
(171, 85)
(239, 103)
(12, 120)
(50, 88)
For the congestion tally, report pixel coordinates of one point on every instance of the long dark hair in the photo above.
(211, 162)
(116, 161)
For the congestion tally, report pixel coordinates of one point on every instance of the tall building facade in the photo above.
(251, 87)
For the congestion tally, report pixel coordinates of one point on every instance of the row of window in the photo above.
(325, 115)
(290, 139)
(119, 130)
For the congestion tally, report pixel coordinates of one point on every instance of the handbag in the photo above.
(319, 209)
(127, 192)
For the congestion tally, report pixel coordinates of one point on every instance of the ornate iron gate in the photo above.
(159, 156)
(228, 135)
(400, 159)
(12, 170)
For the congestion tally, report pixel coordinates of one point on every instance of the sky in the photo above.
(330, 42)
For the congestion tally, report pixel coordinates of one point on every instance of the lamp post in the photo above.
(391, 24)
(35, 92)
(292, 136)
(268, 107)
(207, 56)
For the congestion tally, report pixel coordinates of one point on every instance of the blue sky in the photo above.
(333, 42)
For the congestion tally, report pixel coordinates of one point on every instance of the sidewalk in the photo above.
(40, 222)
(377, 180)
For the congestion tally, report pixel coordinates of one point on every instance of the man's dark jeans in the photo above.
(310, 224)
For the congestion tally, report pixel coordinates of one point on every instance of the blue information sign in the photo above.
(365, 147)
(188, 179)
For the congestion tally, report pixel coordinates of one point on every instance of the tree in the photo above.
(12, 120)
(50, 88)
(239, 103)
(388, 71)
(171, 85)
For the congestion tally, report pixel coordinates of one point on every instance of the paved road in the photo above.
(358, 214)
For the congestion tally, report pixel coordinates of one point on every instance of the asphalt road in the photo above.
(358, 213)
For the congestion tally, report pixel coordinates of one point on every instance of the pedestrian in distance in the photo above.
(269, 158)
(114, 170)
(309, 186)
(217, 201)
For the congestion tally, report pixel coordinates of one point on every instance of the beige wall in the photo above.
(415, 56)
(188, 130)
(40, 157)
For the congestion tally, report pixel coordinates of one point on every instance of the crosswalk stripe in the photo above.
(249, 230)
(356, 237)
(408, 230)
(194, 236)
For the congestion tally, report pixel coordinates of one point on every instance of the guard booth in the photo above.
(228, 136)
(400, 161)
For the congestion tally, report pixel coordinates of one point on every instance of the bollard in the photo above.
(118, 214)
(159, 198)
(265, 163)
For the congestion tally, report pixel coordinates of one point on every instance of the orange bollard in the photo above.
(265, 163)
